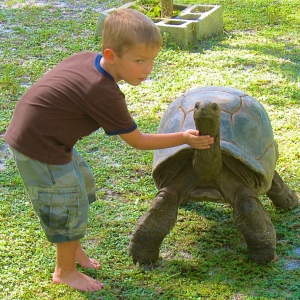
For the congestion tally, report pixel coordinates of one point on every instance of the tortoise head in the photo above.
(207, 163)
(207, 117)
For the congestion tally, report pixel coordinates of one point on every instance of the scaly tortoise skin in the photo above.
(238, 167)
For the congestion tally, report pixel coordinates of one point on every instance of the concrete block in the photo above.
(180, 32)
(193, 22)
(209, 20)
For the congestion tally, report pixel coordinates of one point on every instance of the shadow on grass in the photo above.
(278, 54)
(223, 261)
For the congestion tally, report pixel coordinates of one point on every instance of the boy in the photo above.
(75, 98)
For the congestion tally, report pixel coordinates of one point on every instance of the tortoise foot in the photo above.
(254, 223)
(287, 199)
(281, 195)
(143, 254)
(152, 228)
(261, 256)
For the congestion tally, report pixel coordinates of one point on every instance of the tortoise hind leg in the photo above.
(281, 195)
(254, 223)
(152, 227)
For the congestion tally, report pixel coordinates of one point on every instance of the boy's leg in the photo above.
(60, 200)
(84, 261)
(66, 272)
(89, 183)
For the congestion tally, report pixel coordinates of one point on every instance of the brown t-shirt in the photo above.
(69, 102)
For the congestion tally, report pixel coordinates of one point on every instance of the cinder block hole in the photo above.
(189, 16)
(175, 22)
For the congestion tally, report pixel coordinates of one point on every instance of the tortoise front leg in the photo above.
(152, 227)
(254, 223)
(281, 195)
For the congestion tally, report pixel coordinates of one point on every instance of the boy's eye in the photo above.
(139, 61)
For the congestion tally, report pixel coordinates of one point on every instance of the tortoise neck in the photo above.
(207, 163)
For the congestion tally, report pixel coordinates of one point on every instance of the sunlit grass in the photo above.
(204, 256)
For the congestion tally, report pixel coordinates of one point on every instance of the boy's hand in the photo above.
(193, 138)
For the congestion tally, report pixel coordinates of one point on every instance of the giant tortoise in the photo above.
(237, 168)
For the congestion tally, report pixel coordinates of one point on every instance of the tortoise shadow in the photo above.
(223, 259)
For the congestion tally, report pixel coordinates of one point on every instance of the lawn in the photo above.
(204, 256)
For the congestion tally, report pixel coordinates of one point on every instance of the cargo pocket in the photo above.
(59, 209)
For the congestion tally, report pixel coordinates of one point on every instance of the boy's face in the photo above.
(135, 65)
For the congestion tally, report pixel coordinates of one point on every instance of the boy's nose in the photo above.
(148, 68)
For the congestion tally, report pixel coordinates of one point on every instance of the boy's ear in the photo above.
(109, 55)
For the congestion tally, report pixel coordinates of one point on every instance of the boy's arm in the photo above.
(144, 141)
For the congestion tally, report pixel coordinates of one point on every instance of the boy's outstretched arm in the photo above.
(144, 141)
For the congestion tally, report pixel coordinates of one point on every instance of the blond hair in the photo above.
(127, 27)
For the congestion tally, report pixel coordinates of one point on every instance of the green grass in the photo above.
(204, 256)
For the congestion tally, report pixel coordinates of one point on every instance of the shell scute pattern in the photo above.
(245, 131)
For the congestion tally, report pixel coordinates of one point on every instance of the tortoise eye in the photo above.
(196, 105)
(215, 106)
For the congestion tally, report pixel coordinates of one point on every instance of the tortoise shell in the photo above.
(245, 130)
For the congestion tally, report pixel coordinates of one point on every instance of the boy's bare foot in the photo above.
(90, 263)
(77, 280)
(85, 261)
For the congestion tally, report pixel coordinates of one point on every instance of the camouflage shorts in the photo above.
(60, 195)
